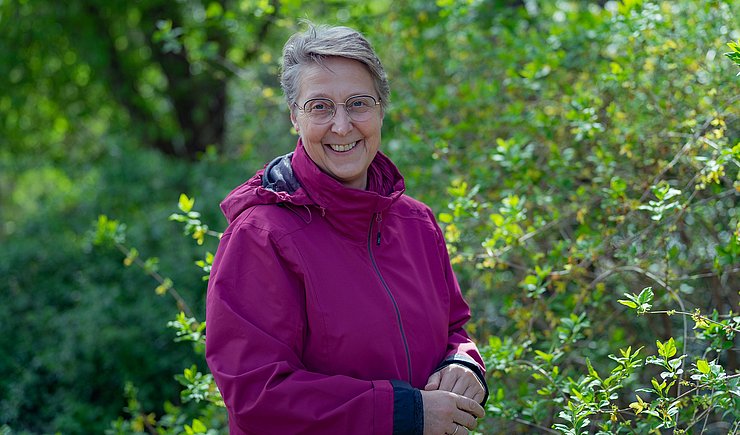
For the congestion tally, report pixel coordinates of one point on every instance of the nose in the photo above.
(341, 124)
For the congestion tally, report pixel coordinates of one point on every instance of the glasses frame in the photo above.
(307, 112)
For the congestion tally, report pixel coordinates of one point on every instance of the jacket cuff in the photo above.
(470, 363)
(408, 409)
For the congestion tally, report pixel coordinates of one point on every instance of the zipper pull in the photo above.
(379, 220)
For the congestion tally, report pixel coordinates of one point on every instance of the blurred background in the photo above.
(574, 151)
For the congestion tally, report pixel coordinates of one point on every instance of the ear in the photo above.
(294, 120)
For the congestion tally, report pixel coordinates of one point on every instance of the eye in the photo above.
(360, 104)
(318, 106)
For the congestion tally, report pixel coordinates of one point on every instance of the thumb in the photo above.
(433, 382)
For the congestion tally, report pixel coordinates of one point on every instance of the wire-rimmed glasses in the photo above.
(322, 110)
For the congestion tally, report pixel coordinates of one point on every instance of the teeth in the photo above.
(343, 148)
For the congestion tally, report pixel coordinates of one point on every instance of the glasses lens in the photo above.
(359, 108)
(319, 109)
(322, 110)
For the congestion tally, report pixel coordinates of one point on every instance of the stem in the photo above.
(181, 304)
(702, 317)
(541, 429)
(700, 386)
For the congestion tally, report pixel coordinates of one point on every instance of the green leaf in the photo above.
(627, 303)
(646, 296)
(658, 387)
(702, 366)
(667, 349)
(214, 10)
(497, 219)
(547, 357)
(591, 370)
(198, 426)
(185, 204)
(618, 185)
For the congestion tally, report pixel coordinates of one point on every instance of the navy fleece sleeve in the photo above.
(408, 409)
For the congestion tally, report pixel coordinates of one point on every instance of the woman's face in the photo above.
(341, 147)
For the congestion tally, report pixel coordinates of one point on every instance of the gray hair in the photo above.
(320, 42)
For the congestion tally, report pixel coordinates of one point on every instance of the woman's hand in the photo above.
(457, 379)
(448, 413)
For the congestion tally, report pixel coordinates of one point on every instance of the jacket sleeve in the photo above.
(255, 314)
(460, 348)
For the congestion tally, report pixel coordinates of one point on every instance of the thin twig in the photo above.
(534, 425)
(181, 304)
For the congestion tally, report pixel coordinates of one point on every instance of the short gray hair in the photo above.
(319, 42)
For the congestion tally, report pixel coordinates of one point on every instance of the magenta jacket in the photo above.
(328, 307)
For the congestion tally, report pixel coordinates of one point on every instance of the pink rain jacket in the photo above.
(321, 295)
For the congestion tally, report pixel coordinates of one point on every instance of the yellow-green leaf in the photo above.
(702, 366)
(547, 357)
(198, 426)
(497, 219)
(185, 204)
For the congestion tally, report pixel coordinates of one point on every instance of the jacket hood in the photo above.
(294, 179)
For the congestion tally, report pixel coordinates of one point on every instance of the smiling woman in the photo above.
(340, 142)
(332, 306)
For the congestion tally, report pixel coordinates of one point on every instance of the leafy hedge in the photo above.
(591, 209)
(594, 154)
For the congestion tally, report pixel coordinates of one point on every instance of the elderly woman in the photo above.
(332, 307)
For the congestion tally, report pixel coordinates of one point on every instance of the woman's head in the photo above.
(336, 89)
(317, 43)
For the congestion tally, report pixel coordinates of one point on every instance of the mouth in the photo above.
(343, 148)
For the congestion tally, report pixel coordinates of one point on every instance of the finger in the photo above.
(465, 420)
(468, 385)
(433, 382)
(470, 406)
(462, 381)
(457, 429)
(474, 391)
(458, 387)
(447, 380)
(478, 397)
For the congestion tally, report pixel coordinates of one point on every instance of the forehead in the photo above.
(338, 78)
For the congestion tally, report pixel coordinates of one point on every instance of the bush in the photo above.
(594, 153)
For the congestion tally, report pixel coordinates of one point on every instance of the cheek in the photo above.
(312, 134)
(373, 130)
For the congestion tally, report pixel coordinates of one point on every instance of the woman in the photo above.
(332, 307)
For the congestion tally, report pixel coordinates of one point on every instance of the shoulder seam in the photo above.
(276, 233)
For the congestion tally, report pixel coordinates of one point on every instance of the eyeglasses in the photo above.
(322, 110)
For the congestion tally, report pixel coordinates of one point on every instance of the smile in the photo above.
(343, 148)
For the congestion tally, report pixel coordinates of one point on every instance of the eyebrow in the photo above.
(324, 96)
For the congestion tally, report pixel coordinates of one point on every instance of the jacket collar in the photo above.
(347, 209)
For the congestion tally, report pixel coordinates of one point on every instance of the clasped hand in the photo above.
(451, 401)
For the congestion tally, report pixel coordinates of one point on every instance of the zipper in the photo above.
(377, 218)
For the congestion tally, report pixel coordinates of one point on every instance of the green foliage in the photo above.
(734, 55)
(193, 225)
(208, 417)
(590, 153)
(82, 325)
(640, 302)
